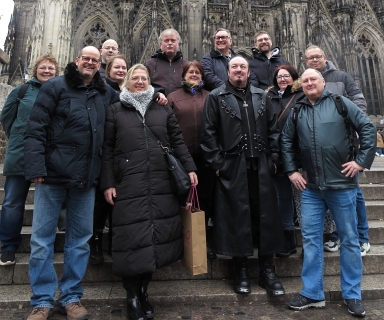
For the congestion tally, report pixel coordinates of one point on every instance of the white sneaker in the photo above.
(382, 155)
(377, 154)
(332, 245)
(364, 248)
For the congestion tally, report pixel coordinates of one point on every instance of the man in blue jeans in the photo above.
(63, 145)
(341, 83)
(328, 181)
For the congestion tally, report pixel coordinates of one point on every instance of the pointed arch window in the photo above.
(96, 35)
(369, 72)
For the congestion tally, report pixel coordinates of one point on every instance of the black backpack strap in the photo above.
(353, 140)
(23, 89)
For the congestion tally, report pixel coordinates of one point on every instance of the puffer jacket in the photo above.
(341, 83)
(147, 232)
(164, 73)
(324, 143)
(188, 110)
(215, 69)
(14, 121)
(65, 133)
(263, 68)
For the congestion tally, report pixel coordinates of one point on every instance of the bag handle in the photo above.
(193, 198)
(282, 112)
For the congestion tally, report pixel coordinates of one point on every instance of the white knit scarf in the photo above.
(140, 100)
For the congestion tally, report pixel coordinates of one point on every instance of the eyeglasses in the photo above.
(284, 76)
(90, 60)
(263, 39)
(218, 38)
(137, 79)
(318, 57)
(47, 68)
(110, 48)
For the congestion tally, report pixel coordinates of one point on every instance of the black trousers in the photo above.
(135, 281)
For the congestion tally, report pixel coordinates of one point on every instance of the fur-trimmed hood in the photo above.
(296, 86)
(74, 78)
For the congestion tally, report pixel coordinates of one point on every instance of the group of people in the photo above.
(250, 134)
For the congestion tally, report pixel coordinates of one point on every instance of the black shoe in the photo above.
(96, 249)
(269, 280)
(300, 303)
(290, 244)
(145, 304)
(211, 254)
(242, 283)
(134, 308)
(355, 307)
(7, 258)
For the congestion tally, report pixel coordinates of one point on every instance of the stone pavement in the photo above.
(220, 311)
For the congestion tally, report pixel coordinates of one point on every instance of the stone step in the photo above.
(30, 195)
(375, 211)
(220, 268)
(373, 191)
(376, 236)
(374, 176)
(195, 291)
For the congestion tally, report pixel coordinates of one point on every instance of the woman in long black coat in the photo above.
(146, 224)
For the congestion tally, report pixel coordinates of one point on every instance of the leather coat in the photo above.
(221, 143)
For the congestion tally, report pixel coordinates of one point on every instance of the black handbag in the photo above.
(180, 180)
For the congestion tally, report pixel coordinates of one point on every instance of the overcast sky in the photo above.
(6, 10)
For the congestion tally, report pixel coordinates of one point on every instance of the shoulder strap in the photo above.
(285, 108)
(165, 149)
(22, 91)
(343, 111)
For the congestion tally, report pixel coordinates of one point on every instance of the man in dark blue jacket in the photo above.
(329, 181)
(341, 83)
(215, 63)
(265, 60)
(63, 144)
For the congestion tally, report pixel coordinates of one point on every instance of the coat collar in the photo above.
(74, 78)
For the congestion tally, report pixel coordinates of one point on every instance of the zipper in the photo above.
(314, 147)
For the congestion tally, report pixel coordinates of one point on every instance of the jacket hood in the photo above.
(74, 78)
(215, 53)
(328, 67)
(275, 53)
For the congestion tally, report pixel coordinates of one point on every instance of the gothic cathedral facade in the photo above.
(351, 32)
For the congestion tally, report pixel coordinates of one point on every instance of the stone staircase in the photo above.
(174, 284)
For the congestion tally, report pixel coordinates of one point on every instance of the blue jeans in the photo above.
(314, 205)
(362, 222)
(42, 275)
(12, 212)
(285, 201)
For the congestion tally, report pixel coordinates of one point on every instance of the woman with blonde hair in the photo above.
(146, 224)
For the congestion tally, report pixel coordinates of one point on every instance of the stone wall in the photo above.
(4, 91)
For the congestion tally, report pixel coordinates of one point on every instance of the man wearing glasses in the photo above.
(215, 63)
(265, 60)
(63, 143)
(341, 83)
(107, 51)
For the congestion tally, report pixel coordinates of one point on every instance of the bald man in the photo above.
(63, 144)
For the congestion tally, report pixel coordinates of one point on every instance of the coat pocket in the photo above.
(63, 161)
(332, 162)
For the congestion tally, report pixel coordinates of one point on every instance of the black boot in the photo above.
(145, 304)
(134, 308)
(268, 278)
(290, 244)
(210, 253)
(242, 283)
(96, 247)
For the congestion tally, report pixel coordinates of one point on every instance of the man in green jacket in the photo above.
(329, 181)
